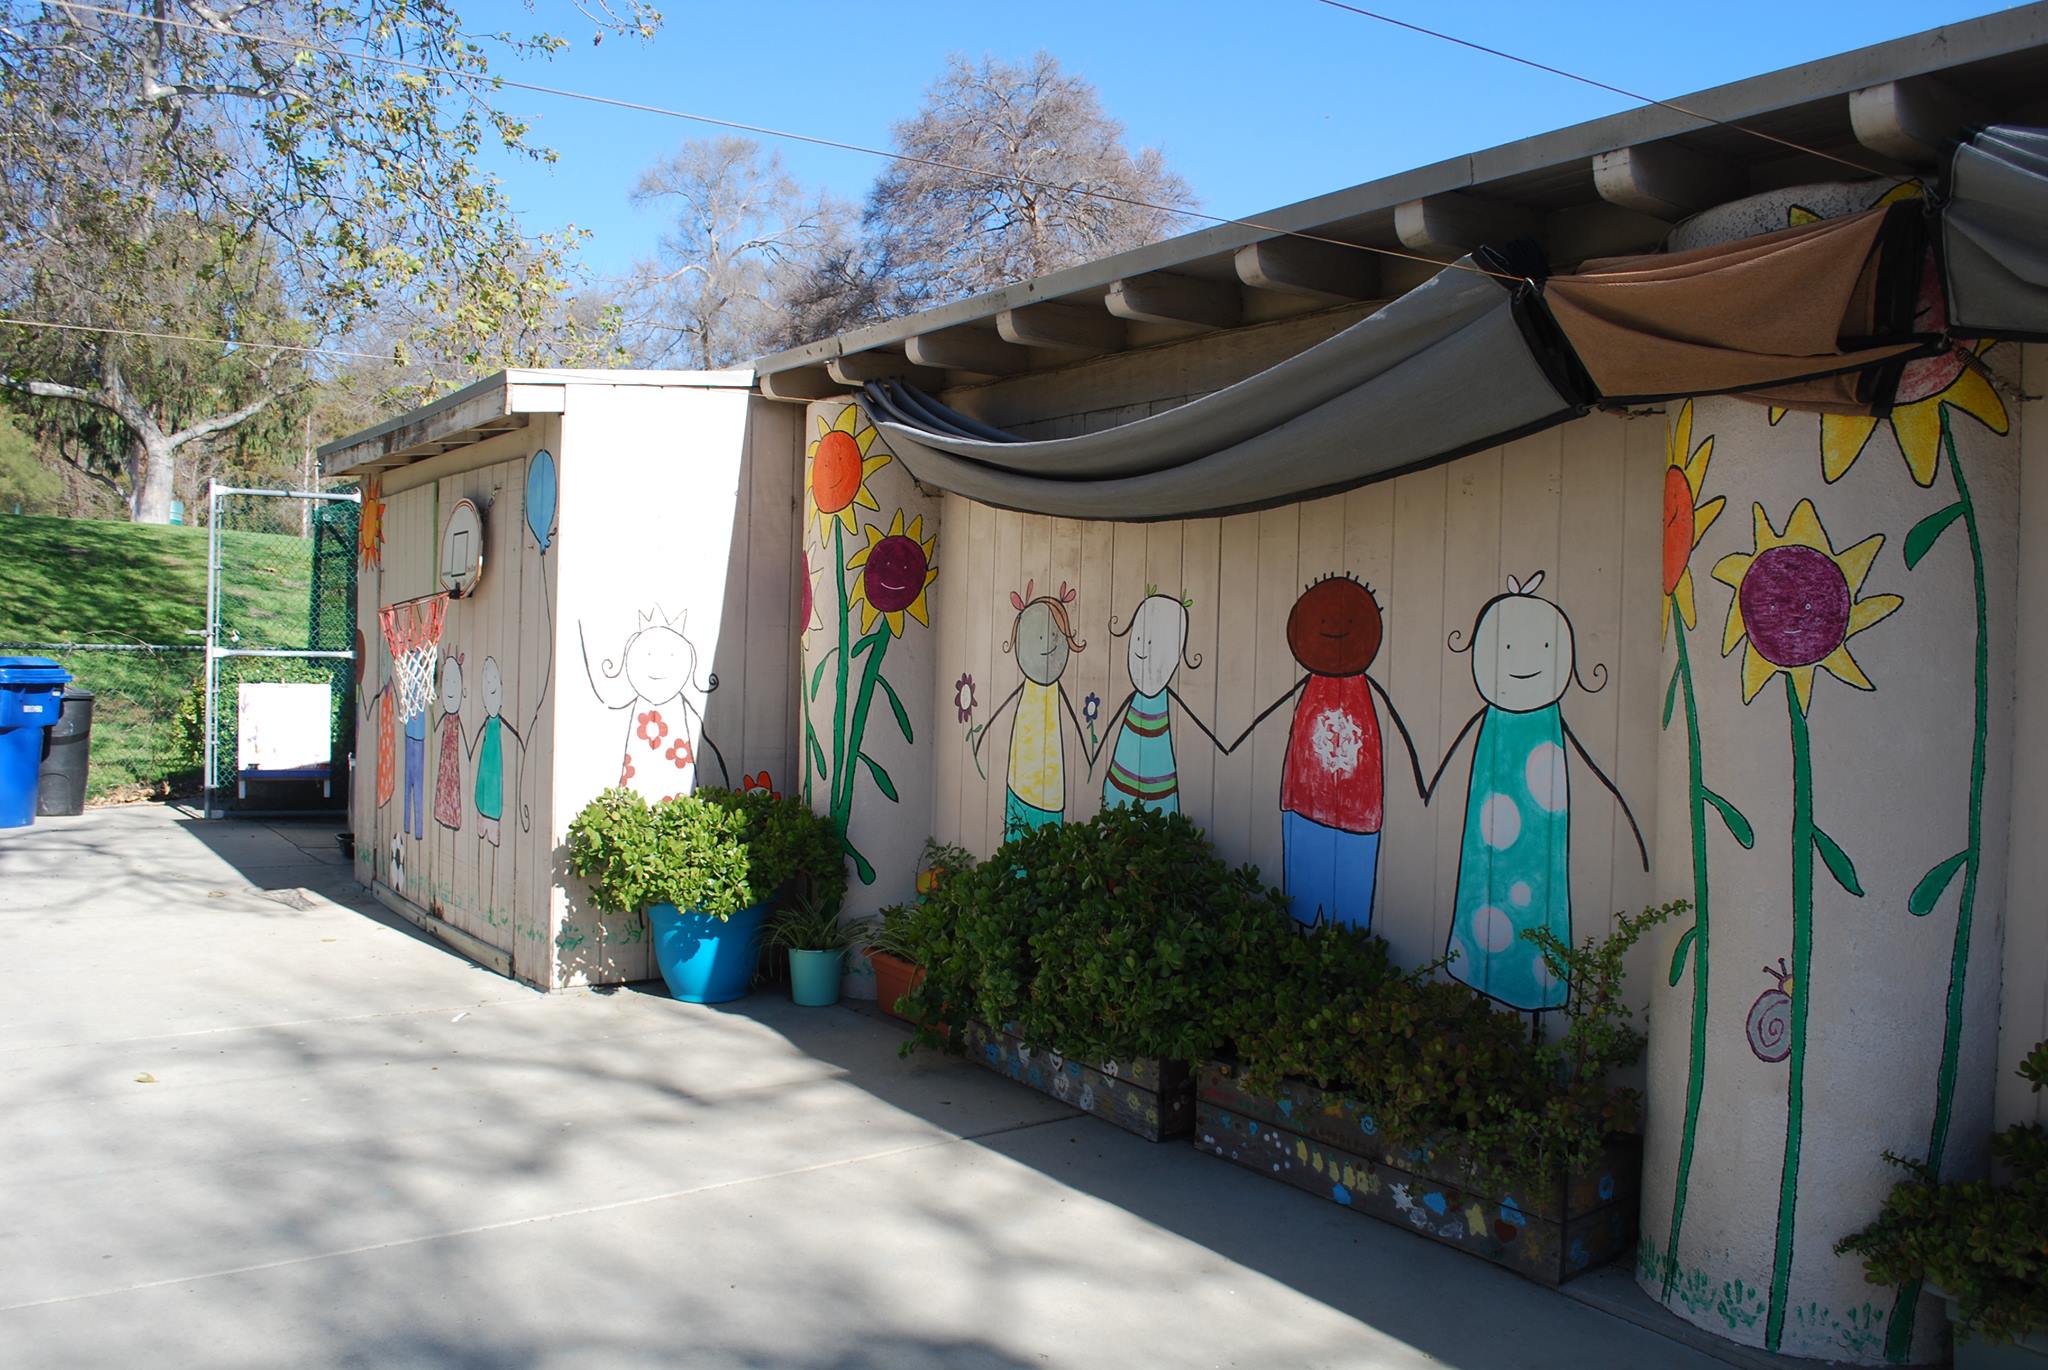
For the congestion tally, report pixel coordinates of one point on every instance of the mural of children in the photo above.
(1333, 782)
(488, 746)
(1514, 867)
(1141, 766)
(448, 778)
(1042, 638)
(657, 666)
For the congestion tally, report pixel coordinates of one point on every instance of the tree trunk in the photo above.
(150, 497)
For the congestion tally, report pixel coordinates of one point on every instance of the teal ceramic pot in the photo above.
(814, 977)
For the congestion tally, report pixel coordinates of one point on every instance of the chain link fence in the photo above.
(147, 741)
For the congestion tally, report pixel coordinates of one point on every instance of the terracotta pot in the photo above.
(894, 978)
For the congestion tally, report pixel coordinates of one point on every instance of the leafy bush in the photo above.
(1113, 938)
(1984, 1243)
(714, 852)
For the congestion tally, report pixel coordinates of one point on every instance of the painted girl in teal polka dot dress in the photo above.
(1514, 865)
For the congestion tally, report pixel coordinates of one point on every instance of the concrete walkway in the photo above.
(248, 1119)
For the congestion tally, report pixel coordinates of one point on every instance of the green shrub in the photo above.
(810, 923)
(1984, 1243)
(1112, 938)
(715, 852)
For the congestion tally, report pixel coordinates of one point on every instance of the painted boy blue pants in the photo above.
(1330, 872)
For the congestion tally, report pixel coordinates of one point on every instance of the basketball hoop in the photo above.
(412, 630)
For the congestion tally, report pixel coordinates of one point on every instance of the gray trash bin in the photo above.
(67, 747)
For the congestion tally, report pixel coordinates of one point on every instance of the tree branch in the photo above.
(220, 423)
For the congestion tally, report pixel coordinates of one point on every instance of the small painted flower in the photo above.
(759, 781)
(1686, 517)
(626, 770)
(963, 697)
(1796, 602)
(895, 570)
(651, 728)
(680, 752)
(1091, 707)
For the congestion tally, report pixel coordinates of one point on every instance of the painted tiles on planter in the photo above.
(1267, 674)
(870, 562)
(1154, 1099)
(1836, 997)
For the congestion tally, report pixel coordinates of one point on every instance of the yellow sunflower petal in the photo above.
(1756, 673)
(1975, 396)
(1776, 413)
(1904, 190)
(1800, 214)
(1681, 436)
(1804, 529)
(1736, 629)
(1682, 592)
(1730, 569)
(1869, 610)
(1855, 561)
(1802, 686)
(1842, 440)
(845, 516)
(1704, 516)
(824, 427)
(859, 557)
(868, 614)
(1762, 534)
(1843, 667)
(848, 418)
(1696, 469)
(865, 498)
(1918, 428)
(896, 525)
(931, 548)
(865, 439)
(918, 610)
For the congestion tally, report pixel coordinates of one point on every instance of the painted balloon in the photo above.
(540, 497)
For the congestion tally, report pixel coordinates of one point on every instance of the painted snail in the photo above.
(1769, 1025)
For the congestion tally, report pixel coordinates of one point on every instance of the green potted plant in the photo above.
(1982, 1245)
(810, 931)
(1410, 1098)
(704, 868)
(1085, 960)
(886, 940)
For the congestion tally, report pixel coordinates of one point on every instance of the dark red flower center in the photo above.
(1795, 605)
(894, 574)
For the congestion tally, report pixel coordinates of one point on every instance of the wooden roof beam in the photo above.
(1663, 180)
(1912, 121)
(967, 349)
(858, 368)
(1059, 328)
(1166, 298)
(801, 384)
(1452, 224)
(1309, 269)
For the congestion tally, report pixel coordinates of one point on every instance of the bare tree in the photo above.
(1019, 172)
(339, 143)
(741, 236)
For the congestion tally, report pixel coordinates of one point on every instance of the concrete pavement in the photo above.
(247, 1118)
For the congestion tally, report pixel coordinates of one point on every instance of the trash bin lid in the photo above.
(32, 670)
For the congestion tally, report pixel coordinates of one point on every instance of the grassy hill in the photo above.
(65, 581)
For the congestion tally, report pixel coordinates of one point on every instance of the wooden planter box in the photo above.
(1326, 1144)
(1153, 1098)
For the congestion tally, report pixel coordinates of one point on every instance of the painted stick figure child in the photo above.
(658, 667)
(1042, 638)
(448, 778)
(488, 746)
(415, 818)
(1142, 772)
(1333, 783)
(1514, 866)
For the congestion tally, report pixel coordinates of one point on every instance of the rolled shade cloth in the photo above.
(1463, 362)
(1778, 313)
(1994, 234)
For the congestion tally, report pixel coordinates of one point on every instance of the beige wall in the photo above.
(2024, 1019)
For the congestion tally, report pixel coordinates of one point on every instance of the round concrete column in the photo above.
(870, 548)
(1834, 793)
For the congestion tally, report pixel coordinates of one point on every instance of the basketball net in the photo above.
(412, 630)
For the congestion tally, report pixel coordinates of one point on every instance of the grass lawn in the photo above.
(93, 581)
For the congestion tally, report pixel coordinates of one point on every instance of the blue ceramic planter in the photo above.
(704, 960)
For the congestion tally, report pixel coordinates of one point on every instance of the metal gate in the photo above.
(280, 612)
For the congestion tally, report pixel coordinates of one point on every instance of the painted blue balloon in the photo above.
(540, 497)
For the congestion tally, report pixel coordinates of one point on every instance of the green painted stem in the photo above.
(1802, 993)
(856, 733)
(1898, 1342)
(1696, 1076)
(839, 700)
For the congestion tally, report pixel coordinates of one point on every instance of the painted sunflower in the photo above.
(1925, 385)
(895, 569)
(1797, 602)
(1686, 518)
(836, 477)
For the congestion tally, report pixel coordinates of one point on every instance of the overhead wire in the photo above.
(308, 349)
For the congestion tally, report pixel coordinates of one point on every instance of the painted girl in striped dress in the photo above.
(1142, 771)
(1042, 638)
(1514, 865)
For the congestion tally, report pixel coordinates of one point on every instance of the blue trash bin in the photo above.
(31, 700)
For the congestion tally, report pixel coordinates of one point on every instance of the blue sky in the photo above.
(1257, 103)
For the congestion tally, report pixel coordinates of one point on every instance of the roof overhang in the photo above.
(496, 404)
(1608, 186)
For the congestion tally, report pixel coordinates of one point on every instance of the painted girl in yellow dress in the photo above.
(1043, 641)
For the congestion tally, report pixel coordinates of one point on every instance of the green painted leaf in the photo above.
(882, 780)
(861, 865)
(1921, 901)
(817, 754)
(1927, 530)
(869, 643)
(1838, 862)
(896, 707)
(818, 676)
(1671, 696)
(1683, 950)
(1738, 826)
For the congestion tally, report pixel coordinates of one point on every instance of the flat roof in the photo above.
(1611, 185)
